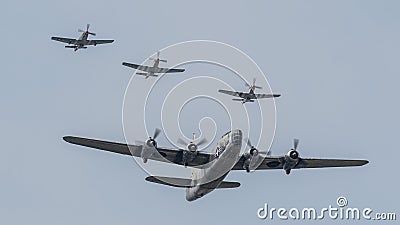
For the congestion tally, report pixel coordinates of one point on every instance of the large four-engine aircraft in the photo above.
(224, 157)
(82, 41)
(249, 96)
(151, 71)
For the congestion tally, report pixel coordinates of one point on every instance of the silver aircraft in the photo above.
(249, 96)
(82, 41)
(151, 71)
(224, 157)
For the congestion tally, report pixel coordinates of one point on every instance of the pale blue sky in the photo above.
(335, 64)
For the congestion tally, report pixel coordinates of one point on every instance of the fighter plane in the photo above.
(249, 96)
(151, 71)
(224, 157)
(82, 41)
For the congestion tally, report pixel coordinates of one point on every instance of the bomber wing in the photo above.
(165, 154)
(277, 163)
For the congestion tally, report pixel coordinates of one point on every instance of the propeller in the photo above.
(193, 142)
(295, 143)
(253, 85)
(87, 30)
(158, 58)
(157, 132)
(151, 140)
(252, 148)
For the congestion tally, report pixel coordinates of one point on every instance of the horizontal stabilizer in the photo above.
(227, 184)
(170, 181)
(186, 183)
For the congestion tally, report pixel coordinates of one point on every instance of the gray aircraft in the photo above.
(249, 96)
(151, 71)
(83, 41)
(224, 157)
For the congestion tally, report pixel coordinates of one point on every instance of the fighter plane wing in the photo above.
(277, 163)
(136, 66)
(98, 42)
(267, 95)
(165, 155)
(65, 40)
(151, 69)
(168, 70)
(233, 93)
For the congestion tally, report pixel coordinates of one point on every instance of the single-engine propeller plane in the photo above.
(151, 71)
(83, 41)
(224, 157)
(249, 96)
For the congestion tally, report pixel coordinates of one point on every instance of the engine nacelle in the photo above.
(291, 160)
(252, 159)
(149, 147)
(188, 156)
(192, 147)
(151, 143)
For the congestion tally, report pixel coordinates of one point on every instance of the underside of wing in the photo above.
(136, 66)
(64, 40)
(98, 42)
(322, 163)
(267, 95)
(278, 162)
(162, 154)
(168, 70)
(233, 93)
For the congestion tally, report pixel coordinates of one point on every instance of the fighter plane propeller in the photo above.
(158, 58)
(252, 86)
(87, 30)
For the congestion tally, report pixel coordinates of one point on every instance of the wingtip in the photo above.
(364, 162)
(67, 139)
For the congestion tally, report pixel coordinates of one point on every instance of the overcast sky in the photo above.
(336, 65)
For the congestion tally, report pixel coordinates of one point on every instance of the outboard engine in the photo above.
(150, 146)
(291, 159)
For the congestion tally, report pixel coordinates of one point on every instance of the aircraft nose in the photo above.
(237, 136)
